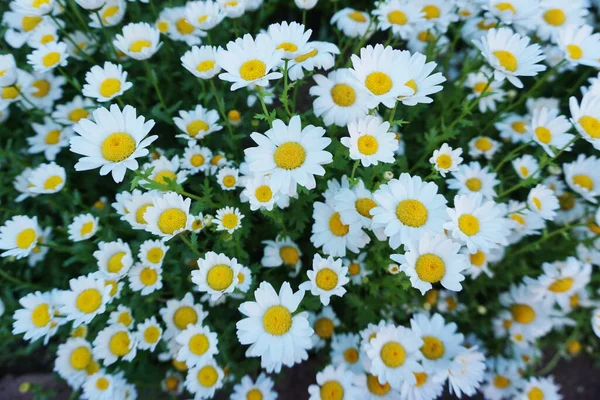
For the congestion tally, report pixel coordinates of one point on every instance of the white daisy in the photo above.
(472, 178)
(73, 111)
(260, 193)
(324, 324)
(114, 259)
(248, 389)
(580, 45)
(345, 350)
(74, 361)
(586, 117)
(196, 158)
(83, 227)
(333, 383)
(282, 251)
(19, 236)
(291, 38)
(483, 146)
(113, 343)
(371, 141)
(50, 138)
(543, 201)
(198, 345)
(197, 123)
(446, 159)
(352, 23)
(583, 177)
(47, 179)
(34, 318)
(204, 379)
(204, 15)
(165, 172)
(327, 278)
(399, 16)
(168, 215)
(178, 314)
(228, 219)
(526, 166)
(466, 372)
(106, 83)
(317, 55)
(135, 205)
(148, 334)
(228, 178)
(86, 298)
(216, 275)
(145, 279)
(48, 56)
(549, 130)
(201, 61)
(138, 41)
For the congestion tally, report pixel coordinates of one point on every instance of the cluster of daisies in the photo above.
(276, 215)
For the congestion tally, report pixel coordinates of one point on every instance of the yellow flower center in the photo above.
(537, 203)
(113, 287)
(393, 354)
(51, 59)
(184, 27)
(162, 26)
(535, 393)
(53, 137)
(289, 155)
(332, 390)
(343, 95)
(109, 87)
(10, 92)
(432, 348)
(468, 224)
(109, 12)
(501, 382)
(154, 255)
(431, 11)
(207, 376)
(397, 17)
(506, 7)
(197, 160)
(263, 193)
(483, 144)
(29, 23)
(367, 145)
(151, 334)
(53, 182)
(444, 161)
(519, 127)
(252, 70)
(478, 258)
(543, 134)
(254, 394)
(139, 45)
(118, 146)
(139, 214)
(47, 39)
(555, 17)
(125, 318)
(78, 114)
(115, 263)
(89, 301)
(102, 384)
(575, 52)
(80, 358)
(230, 221)
(195, 127)
(426, 36)
(184, 316)
(277, 320)
(561, 285)
(26, 237)
(357, 16)
(507, 60)
(354, 269)
(171, 220)
(364, 206)
(430, 268)
(421, 378)
(324, 328)
(378, 83)
(351, 355)
(412, 213)
(289, 255)
(219, 277)
(229, 181)
(199, 344)
(40, 315)
(326, 279)
(43, 88)
(473, 184)
(205, 65)
(591, 126)
(306, 56)
(584, 181)
(377, 388)
(179, 365)
(574, 347)
(336, 226)
(287, 46)
(522, 313)
(524, 171)
(148, 276)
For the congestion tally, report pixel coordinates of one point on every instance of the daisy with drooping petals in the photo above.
(138, 41)
(73, 111)
(145, 279)
(216, 275)
(371, 141)
(526, 166)
(472, 178)
(333, 383)
(48, 57)
(446, 159)
(580, 45)
(198, 345)
(47, 179)
(34, 318)
(407, 207)
(583, 177)
(168, 215)
(382, 70)
(549, 129)
(290, 155)
(204, 15)
(327, 278)
(86, 298)
(477, 223)
(19, 236)
(394, 353)
(543, 201)
(291, 38)
(399, 16)
(148, 334)
(466, 372)
(511, 55)
(197, 123)
(228, 219)
(351, 22)
(261, 389)
(271, 329)
(249, 61)
(282, 251)
(201, 61)
(586, 117)
(83, 227)
(204, 379)
(113, 142)
(114, 258)
(178, 314)
(317, 55)
(113, 343)
(74, 361)
(341, 98)
(106, 83)
(432, 259)
(50, 138)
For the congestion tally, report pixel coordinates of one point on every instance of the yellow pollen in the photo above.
(29, 23)
(151, 334)
(289, 155)
(252, 70)
(263, 193)
(483, 144)
(139, 214)
(364, 206)
(184, 316)
(43, 88)
(53, 182)
(197, 224)
(219, 277)
(162, 26)
(10, 92)
(501, 382)
(25, 238)
(519, 127)
(591, 126)
(230, 221)
(473, 184)
(421, 378)
(506, 7)
(288, 46)
(524, 171)
(125, 318)
(537, 203)
(102, 384)
(87, 228)
(89, 300)
(277, 320)
(336, 226)
(184, 27)
(78, 114)
(254, 394)
(468, 224)
(343, 95)
(172, 383)
(575, 52)
(80, 358)
(196, 127)
(555, 17)
(367, 145)
(113, 286)
(426, 36)
(357, 16)
(205, 65)
(172, 220)
(584, 181)
(431, 11)
(444, 161)
(378, 83)
(535, 393)
(208, 376)
(110, 87)
(574, 347)
(197, 160)
(393, 354)
(109, 12)
(354, 269)
(412, 213)
(432, 348)
(139, 45)
(332, 390)
(229, 181)
(53, 136)
(118, 146)
(324, 328)
(543, 134)
(40, 315)
(179, 365)
(154, 255)
(377, 388)
(480, 86)
(51, 59)
(148, 276)
(326, 279)
(306, 56)
(163, 177)
(561, 285)
(241, 278)
(216, 159)
(506, 60)
(234, 115)
(289, 255)
(518, 218)
(115, 263)
(430, 268)
(522, 313)
(351, 355)
(397, 17)
(199, 344)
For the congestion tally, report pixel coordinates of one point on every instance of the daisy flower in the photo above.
(111, 14)
(152, 252)
(290, 155)
(271, 329)
(83, 227)
(351, 22)
(145, 279)
(113, 142)
(323, 324)
(556, 14)
(583, 177)
(399, 16)
(394, 353)
(354, 205)
(198, 123)
(48, 89)
(446, 159)
(330, 233)
(511, 12)
(345, 350)
(201, 61)
(432, 259)
(529, 315)
(341, 98)
(524, 221)
(382, 71)
(228, 219)
(282, 251)
(204, 15)
(421, 82)
(19, 236)
(549, 129)
(73, 361)
(249, 61)
(102, 385)
(259, 192)
(172, 383)
(47, 179)
(477, 223)
(233, 9)
(35, 317)
(407, 207)
(438, 13)
(317, 55)
(483, 146)
(168, 215)
(180, 28)
(543, 201)
(306, 4)
(164, 172)
(114, 258)
(540, 388)
(198, 345)
(49, 139)
(291, 38)
(357, 269)
(466, 372)
(74, 111)
(196, 158)
(327, 278)
(262, 388)
(45, 33)
(244, 279)
(478, 82)
(580, 45)
(526, 166)
(8, 69)
(441, 341)
(204, 379)
(586, 117)
(148, 334)
(511, 55)
(472, 178)
(369, 388)
(106, 83)
(86, 298)
(113, 343)
(48, 56)
(138, 40)
(136, 203)
(216, 275)
(371, 141)
(333, 383)
(228, 178)
(178, 314)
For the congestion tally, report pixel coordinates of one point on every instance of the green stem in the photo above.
(542, 239)
(304, 17)
(285, 100)
(221, 107)
(75, 85)
(66, 35)
(188, 243)
(16, 281)
(511, 155)
(354, 167)
(79, 17)
(106, 35)
(152, 77)
(393, 113)
(264, 106)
